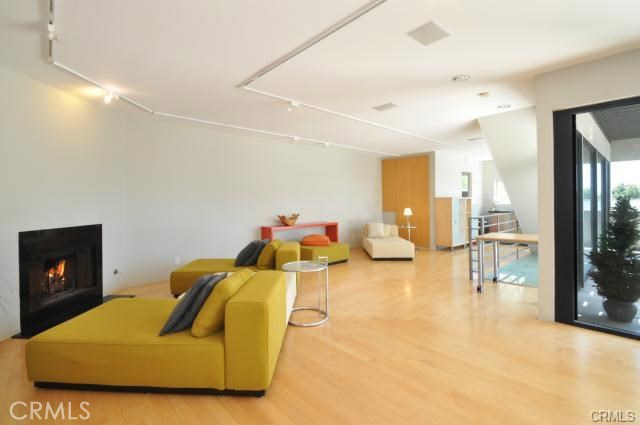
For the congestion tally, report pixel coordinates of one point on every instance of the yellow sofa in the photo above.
(183, 278)
(335, 253)
(116, 346)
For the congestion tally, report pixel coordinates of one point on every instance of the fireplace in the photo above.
(60, 275)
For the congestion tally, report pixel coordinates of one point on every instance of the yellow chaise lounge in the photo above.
(116, 346)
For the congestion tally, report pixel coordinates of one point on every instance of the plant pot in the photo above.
(620, 311)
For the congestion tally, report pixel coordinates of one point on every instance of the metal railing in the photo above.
(482, 224)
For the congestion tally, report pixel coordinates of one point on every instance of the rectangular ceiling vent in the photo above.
(385, 107)
(428, 34)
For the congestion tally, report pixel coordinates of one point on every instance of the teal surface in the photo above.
(523, 271)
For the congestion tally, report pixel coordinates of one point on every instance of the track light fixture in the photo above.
(51, 32)
(292, 104)
(109, 97)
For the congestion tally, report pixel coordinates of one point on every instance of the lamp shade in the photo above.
(407, 212)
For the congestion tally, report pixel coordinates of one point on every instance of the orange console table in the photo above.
(330, 229)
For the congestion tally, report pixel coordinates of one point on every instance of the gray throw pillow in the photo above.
(254, 258)
(187, 320)
(187, 309)
(249, 254)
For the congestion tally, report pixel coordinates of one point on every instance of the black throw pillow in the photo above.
(249, 254)
(185, 312)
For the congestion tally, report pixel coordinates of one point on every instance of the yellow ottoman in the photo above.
(336, 252)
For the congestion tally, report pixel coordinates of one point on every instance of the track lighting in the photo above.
(51, 32)
(109, 97)
(292, 105)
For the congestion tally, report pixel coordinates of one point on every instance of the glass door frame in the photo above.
(568, 198)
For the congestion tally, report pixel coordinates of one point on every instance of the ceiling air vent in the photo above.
(428, 34)
(385, 107)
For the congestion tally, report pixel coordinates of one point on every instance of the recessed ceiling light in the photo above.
(504, 106)
(484, 94)
(461, 78)
(385, 106)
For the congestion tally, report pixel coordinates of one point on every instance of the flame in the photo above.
(58, 269)
(61, 265)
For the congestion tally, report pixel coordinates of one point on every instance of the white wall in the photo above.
(61, 164)
(489, 176)
(611, 78)
(449, 167)
(589, 128)
(197, 191)
(511, 137)
(161, 188)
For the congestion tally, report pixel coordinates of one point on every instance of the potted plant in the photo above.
(616, 262)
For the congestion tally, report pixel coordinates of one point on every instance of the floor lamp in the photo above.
(408, 213)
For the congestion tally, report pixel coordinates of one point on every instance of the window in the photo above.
(500, 195)
(466, 184)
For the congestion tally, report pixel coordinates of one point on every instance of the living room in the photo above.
(413, 151)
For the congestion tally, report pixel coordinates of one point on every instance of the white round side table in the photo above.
(322, 265)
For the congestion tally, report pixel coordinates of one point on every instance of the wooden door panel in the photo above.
(420, 183)
(420, 235)
(403, 183)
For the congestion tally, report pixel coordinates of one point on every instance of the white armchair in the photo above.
(381, 242)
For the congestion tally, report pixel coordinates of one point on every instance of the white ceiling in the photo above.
(189, 58)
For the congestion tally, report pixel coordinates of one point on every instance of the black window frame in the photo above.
(567, 198)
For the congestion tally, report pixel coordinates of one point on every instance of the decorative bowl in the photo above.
(289, 221)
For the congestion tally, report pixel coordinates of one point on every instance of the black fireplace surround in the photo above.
(60, 275)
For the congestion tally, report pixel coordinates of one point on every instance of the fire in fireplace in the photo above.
(60, 275)
(53, 280)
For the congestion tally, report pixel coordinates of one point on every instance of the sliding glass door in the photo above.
(597, 220)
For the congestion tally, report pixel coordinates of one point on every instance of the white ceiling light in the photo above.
(428, 33)
(504, 106)
(459, 78)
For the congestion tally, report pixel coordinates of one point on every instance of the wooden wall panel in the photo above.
(405, 183)
(420, 235)
(389, 178)
(420, 184)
